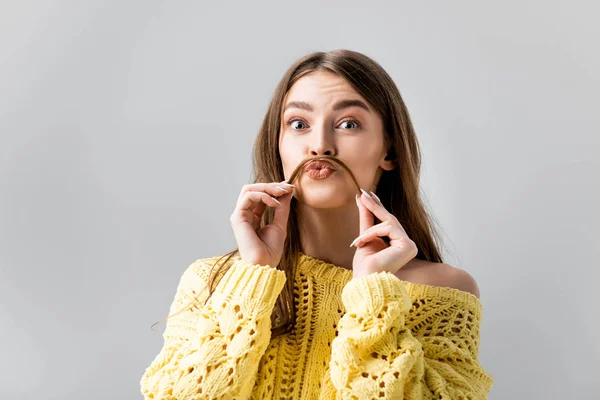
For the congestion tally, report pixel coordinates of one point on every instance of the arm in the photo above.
(376, 355)
(213, 349)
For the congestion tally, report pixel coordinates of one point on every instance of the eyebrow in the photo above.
(336, 107)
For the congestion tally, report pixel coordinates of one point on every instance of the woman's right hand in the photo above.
(256, 245)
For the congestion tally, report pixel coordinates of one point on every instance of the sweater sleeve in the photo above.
(376, 355)
(212, 348)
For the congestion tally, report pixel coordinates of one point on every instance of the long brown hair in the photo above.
(398, 189)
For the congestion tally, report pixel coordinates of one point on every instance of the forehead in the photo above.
(321, 89)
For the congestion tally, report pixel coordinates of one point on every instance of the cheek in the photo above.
(363, 152)
(365, 162)
(365, 172)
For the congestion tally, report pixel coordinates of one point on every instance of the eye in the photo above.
(349, 124)
(297, 124)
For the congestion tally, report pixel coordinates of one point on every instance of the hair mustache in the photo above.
(300, 168)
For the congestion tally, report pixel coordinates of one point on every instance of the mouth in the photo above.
(319, 165)
(327, 169)
(319, 169)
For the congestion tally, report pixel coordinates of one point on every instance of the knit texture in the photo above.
(373, 337)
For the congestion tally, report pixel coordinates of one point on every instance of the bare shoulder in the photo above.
(462, 280)
(438, 274)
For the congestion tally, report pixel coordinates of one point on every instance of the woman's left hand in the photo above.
(372, 253)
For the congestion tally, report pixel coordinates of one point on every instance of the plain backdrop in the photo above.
(126, 135)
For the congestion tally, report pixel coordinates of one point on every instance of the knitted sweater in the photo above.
(372, 337)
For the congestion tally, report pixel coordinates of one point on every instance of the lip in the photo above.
(318, 165)
(319, 174)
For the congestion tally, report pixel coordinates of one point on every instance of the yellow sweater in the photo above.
(373, 337)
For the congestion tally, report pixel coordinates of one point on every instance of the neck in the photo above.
(326, 234)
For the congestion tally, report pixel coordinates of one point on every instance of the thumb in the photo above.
(365, 216)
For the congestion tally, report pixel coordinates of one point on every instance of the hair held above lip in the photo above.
(329, 159)
(319, 164)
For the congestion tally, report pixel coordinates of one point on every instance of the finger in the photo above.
(381, 229)
(282, 188)
(398, 255)
(384, 229)
(365, 217)
(372, 203)
(250, 199)
(275, 189)
(259, 209)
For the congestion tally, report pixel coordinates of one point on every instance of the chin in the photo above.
(320, 195)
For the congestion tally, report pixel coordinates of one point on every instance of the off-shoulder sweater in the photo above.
(370, 337)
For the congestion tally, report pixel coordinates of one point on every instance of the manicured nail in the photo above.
(365, 193)
(356, 240)
(280, 188)
(357, 201)
(276, 201)
(287, 184)
(377, 198)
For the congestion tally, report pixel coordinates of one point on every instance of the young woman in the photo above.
(330, 294)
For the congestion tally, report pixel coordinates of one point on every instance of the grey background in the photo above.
(126, 134)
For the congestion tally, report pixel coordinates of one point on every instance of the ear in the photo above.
(388, 163)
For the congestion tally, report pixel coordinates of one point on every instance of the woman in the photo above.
(296, 312)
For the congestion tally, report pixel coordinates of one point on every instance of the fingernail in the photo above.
(280, 188)
(377, 198)
(287, 184)
(356, 240)
(357, 201)
(365, 193)
(276, 201)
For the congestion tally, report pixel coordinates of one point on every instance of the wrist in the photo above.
(260, 259)
(359, 274)
(362, 272)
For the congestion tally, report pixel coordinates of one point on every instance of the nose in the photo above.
(321, 144)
